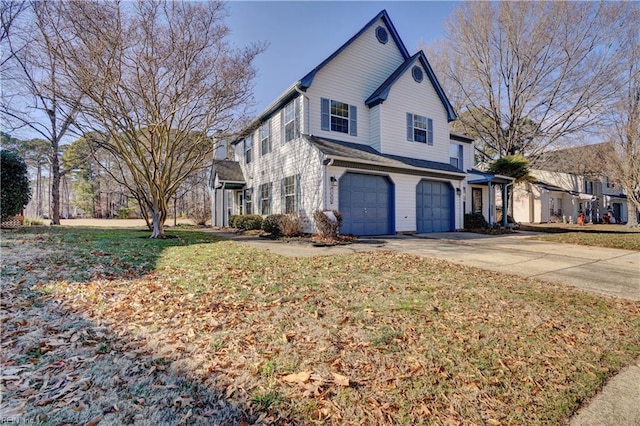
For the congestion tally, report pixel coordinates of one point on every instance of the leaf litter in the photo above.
(255, 338)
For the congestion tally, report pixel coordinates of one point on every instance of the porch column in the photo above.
(504, 204)
(490, 205)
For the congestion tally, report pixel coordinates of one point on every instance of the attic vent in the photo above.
(416, 72)
(382, 35)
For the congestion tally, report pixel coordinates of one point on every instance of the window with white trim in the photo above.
(336, 116)
(265, 138)
(291, 121)
(265, 199)
(248, 147)
(290, 189)
(419, 129)
(248, 202)
(456, 155)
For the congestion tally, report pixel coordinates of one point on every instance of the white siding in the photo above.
(352, 77)
(374, 126)
(406, 95)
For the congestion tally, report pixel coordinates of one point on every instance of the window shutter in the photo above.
(460, 157)
(282, 126)
(410, 127)
(325, 121)
(353, 120)
(270, 196)
(429, 131)
(270, 136)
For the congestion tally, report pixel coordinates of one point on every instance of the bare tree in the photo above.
(34, 97)
(625, 116)
(159, 78)
(526, 76)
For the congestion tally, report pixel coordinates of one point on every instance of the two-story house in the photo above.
(366, 132)
(567, 182)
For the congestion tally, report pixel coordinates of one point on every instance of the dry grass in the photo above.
(598, 235)
(232, 334)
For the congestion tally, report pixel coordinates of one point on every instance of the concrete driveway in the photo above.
(613, 272)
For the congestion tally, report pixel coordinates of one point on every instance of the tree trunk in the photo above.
(632, 214)
(55, 188)
(158, 215)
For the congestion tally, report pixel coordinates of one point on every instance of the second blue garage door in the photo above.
(434, 207)
(366, 204)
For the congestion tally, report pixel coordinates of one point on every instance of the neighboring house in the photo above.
(366, 132)
(567, 182)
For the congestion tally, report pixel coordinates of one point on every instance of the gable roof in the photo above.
(381, 93)
(354, 153)
(227, 171)
(582, 160)
(306, 81)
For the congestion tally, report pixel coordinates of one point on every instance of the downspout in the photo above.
(505, 207)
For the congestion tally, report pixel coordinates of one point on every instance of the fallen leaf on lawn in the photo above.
(94, 421)
(182, 401)
(300, 378)
(340, 380)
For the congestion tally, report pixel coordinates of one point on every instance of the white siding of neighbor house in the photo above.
(352, 77)
(406, 95)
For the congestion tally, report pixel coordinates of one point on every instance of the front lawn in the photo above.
(611, 236)
(206, 331)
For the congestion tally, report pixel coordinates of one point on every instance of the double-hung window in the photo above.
(290, 190)
(338, 116)
(291, 121)
(419, 129)
(265, 199)
(456, 156)
(248, 147)
(248, 202)
(265, 138)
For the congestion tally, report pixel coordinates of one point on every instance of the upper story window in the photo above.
(419, 129)
(265, 199)
(265, 138)
(456, 156)
(291, 121)
(248, 148)
(588, 187)
(338, 116)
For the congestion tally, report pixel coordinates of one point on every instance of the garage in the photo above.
(366, 204)
(434, 207)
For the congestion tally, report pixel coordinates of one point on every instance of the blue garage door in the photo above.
(366, 204)
(434, 207)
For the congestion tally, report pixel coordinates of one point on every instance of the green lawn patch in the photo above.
(366, 338)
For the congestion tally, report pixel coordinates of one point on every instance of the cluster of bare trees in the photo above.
(527, 77)
(149, 83)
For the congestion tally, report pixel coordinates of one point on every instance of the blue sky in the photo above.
(301, 34)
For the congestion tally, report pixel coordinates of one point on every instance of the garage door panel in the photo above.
(365, 202)
(434, 206)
